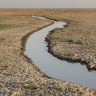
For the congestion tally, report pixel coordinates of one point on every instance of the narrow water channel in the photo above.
(37, 50)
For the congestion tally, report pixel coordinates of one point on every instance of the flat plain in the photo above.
(76, 42)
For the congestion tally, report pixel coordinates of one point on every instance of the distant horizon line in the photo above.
(47, 8)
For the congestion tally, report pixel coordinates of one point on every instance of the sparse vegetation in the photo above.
(2, 38)
(7, 26)
(31, 85)
(10, 51)
(4, 67)
(74, 90)
(92, 46)
(60, 87)
(77, 25)
(57, 35)
(82, 25)
(3, 18)
(75, 40)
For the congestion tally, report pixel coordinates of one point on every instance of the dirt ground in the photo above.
(76, 42)
(18, 75)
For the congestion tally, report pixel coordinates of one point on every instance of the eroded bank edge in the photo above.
(23, 45)
(50, 45)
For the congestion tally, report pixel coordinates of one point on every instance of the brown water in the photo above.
(36, 49)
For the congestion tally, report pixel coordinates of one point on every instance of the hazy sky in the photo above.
(47, 3)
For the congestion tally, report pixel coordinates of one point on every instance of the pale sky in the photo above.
(47, 3)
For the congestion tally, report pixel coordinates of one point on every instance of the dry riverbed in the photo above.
(18, 74)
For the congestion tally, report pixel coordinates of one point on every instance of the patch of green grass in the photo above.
(68, 28)
(56, 35)
(3, 18)
(7, 26)
(60, 87)
(74, 90)
(2, 38)
(31, 85)
(75, 40)
(77, 25)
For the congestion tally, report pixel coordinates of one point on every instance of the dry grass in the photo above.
(13, 18)
(84, 29)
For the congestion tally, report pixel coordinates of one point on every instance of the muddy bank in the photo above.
(23, 44)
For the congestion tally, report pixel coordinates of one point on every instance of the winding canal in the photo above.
(37, 50)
